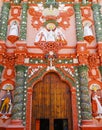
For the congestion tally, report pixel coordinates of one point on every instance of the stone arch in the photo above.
(73, 100)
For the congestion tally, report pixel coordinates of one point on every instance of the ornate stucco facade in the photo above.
(50, 65)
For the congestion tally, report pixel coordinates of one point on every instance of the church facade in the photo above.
(50, 65)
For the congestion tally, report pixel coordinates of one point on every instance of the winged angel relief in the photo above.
(50, 21)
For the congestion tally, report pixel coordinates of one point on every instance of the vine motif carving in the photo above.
(85, 102)
(93, 61)
(50, 46)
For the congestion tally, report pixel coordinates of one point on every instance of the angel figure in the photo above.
(13, 32)
(50, 33)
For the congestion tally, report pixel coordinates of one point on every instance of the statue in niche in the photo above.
(6, 103)
(96, 104)
(88, 34)
(50, 33)
(13, 32)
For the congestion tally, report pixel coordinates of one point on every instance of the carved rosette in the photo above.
(17, 112)
(4, 20)
(84, 93)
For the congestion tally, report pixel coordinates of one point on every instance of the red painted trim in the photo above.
(29, 109)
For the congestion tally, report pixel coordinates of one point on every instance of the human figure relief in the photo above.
(13, 32)
(50, 34)
(6, 103)
(88, 34)
(96, 105)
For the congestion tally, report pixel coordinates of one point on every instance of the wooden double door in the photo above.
(51, 104)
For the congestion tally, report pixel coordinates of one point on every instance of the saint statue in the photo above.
(88, 34)
(6, 103)
(13, 32)
(96, 105)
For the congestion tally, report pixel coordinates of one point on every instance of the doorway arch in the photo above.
(51, 102)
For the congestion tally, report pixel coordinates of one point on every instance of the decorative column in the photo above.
(84, 93)
(79, 28)
(100, 14)
(17, 112)
(1, 69)
(100, 54)
(23, 27)
(0, 12)
(78, 94)
(97, 19)
(98, 29)
(100, 68)
(4, 20)
(2, 53)
(82, 84)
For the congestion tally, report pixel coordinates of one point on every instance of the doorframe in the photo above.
(73, 102)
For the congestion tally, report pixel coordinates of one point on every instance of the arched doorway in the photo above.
(51, 104)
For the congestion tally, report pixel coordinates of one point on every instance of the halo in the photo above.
(95, 87)
(8, 87)
(87, 22)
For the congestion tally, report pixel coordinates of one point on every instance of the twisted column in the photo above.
(23, 27)
(84, 93)
(4, 20)
(17, 112)
(78, 93)
(1, 69)
(79, 28)
(97, 20)
(100, 69)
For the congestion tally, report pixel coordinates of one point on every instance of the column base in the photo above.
(14, 125)
(16, 122)
(87, 122)
(89, 125)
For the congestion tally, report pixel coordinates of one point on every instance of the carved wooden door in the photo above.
(51, 100)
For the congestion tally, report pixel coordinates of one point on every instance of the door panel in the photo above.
(51, 100)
